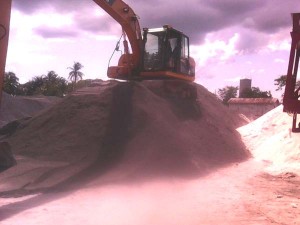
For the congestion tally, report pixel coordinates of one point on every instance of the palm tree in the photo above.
(11, 83)
(54, 85)
(50, 77)
(35, 86)
(75, 74)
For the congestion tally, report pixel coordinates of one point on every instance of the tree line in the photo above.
(50, 84)
(229, 92)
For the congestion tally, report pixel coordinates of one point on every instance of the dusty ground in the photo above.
(237, 194)
(277, 198)
(133, 164)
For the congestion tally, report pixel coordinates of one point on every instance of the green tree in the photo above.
(227, 93)
(75, 73)
(11, 83)
(280, 82)
(35, 86)
(54, 85)
(48, 85)
(255, 92)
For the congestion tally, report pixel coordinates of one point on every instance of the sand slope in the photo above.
(270, 139)
(123, 130)
(13, 108)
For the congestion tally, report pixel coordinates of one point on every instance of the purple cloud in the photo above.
(51, 32)
(196, 18)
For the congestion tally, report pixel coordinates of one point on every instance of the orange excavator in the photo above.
(291, 102)
(159, 53)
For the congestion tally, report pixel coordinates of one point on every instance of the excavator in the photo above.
(291, 102)
(149, 54)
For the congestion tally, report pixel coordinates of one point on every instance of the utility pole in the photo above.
(5, 11)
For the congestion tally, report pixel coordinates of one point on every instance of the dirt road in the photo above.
(238, 194)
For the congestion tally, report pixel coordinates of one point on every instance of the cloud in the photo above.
(63, 6)
(274, 16)
(96, 23)
(253, 20)
(214, 51)
(279, 60)
(257, 71)
(251, 41)
(234, 79)
(53, 32)
(197, 18)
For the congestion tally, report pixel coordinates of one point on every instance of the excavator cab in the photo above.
(166, 51)
(163, 54)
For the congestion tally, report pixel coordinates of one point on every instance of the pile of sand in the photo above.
(123, 130)
(18, 107)
(269, 138)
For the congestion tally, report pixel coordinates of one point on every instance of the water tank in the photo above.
(244, 84)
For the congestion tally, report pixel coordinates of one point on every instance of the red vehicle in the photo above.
(291, 102)
(160, 53)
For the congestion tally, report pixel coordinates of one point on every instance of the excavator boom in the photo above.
(128, 20)
(160, 53)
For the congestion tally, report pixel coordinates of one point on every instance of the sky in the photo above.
(230, 39)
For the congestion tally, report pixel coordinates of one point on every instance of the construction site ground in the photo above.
(239, 194)
(169, 165)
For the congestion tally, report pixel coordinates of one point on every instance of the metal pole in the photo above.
(5, 10)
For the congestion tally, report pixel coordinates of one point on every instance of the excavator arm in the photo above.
(128, 20)
(152, 56)
(117, 9)
(5, 9)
